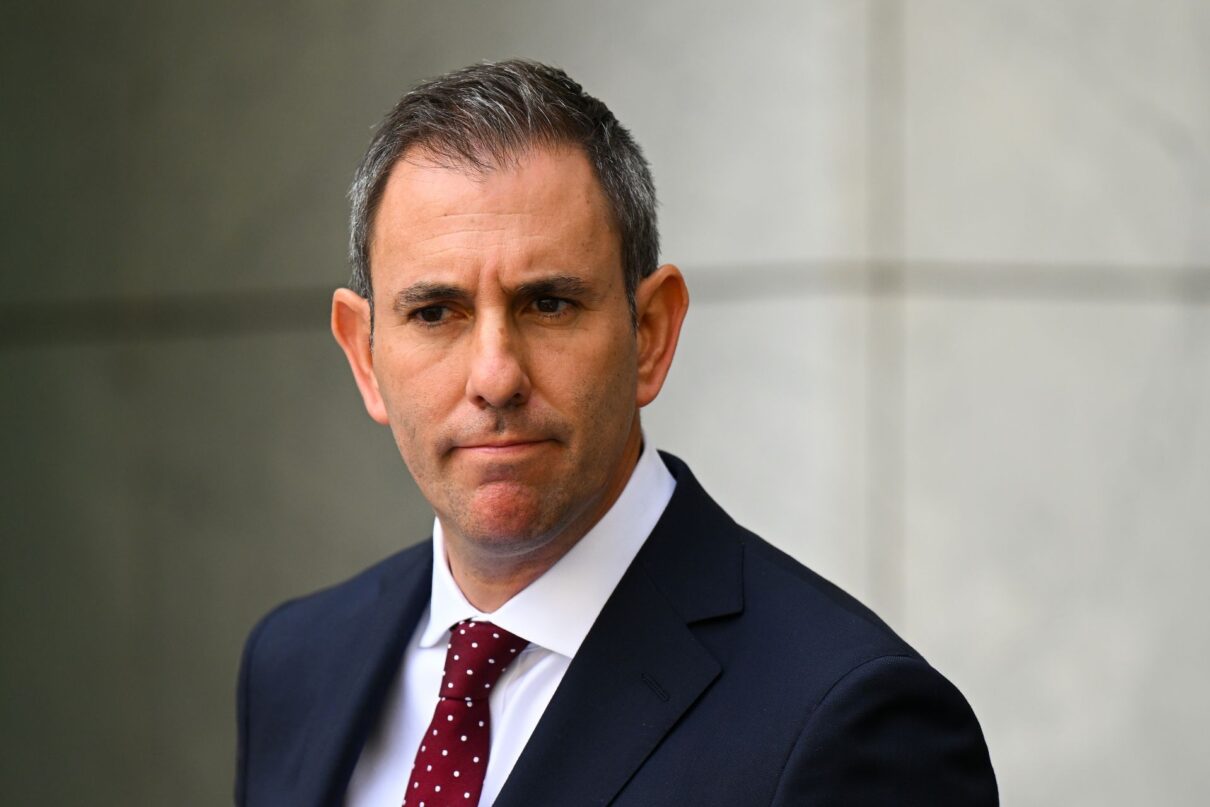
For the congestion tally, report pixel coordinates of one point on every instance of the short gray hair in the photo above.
(487, 114)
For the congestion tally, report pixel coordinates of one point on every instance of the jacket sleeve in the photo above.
(891, 731)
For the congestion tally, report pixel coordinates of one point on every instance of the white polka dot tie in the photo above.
(452, 756)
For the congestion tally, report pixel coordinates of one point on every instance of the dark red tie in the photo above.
(452, 756)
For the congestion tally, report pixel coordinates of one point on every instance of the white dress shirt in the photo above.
(554, 613)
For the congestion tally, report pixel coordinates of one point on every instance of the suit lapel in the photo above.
(365, 648)
(640, 667)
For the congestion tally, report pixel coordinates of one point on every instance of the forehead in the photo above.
(545, 206)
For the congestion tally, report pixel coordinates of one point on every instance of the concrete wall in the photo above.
(950, 345)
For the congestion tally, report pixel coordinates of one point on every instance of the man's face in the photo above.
(504, 352)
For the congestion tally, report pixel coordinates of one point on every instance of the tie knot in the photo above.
(478, 653)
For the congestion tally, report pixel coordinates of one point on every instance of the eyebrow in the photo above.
(425, 292)
(555, 286)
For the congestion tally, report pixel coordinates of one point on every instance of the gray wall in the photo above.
(950, 345)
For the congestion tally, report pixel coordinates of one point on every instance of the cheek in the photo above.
(607, 395)
(413, 403)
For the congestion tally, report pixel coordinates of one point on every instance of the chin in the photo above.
(510, 517)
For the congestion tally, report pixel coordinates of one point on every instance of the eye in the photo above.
(431, 315)
(551, 306)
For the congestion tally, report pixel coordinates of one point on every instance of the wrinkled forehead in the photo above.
(479, 164)
(560, 180)
(545, 207)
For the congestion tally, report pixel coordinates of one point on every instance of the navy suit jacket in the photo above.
(720, 672)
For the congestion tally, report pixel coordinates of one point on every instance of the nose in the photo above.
(497, 378)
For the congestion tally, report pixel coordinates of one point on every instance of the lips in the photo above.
(501, 436)
(497, 447)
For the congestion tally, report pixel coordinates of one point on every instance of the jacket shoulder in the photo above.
(776, 580)
(704, 556)
(850, 712)
(332, 605)
(310, 655)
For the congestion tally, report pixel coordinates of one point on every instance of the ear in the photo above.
(351, 327)
(661, 301)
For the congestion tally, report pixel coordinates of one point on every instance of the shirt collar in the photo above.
(557, 610)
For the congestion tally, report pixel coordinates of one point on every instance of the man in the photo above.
(586, 626)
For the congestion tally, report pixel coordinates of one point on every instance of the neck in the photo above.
(490, 579)
(488, 588)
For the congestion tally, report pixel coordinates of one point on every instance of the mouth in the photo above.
(502, 447)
